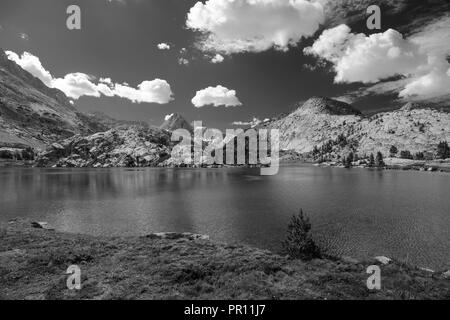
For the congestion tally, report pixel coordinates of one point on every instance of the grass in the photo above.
(33, 264)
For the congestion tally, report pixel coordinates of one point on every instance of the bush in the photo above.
(405, 154)
(393, 151)
(443, 150)
(419, 156)
(299, 243)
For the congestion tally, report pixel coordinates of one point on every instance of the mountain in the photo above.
(343, 129)
(175, 121)
(33, 115)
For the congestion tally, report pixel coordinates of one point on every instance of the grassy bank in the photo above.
(33, 262)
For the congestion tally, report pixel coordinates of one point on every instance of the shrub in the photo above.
(405, 154)
(299, 243)
(443, 150)
(419, 156)
(393, 151)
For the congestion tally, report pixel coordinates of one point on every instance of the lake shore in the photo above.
(34, 260)
(400, 164)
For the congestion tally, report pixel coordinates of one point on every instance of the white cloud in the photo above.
(183, 61)
(254, 25)
(163, 46)
(76, 85)
(216, 96)
(421, 59)
(168, 117)
(367, 59)
(31, 64)
(24, 36)
(217, 59)
(253, 123)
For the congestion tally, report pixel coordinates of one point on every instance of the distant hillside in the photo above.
(34, 115)
(321, 120)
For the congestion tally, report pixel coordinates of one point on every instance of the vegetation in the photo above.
(371, 160)
(393, 151)
(348, 161)
(299, 243)
(443, 150)
(379, 162)
(33, 264)
(405, 154)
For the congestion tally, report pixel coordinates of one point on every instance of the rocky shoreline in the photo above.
(34, 259)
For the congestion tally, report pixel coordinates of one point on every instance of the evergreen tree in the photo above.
(371, 160)
(298, 242)
(379, 162)
(443, 150)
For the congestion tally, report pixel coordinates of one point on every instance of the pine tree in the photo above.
(443, 150)
(379, 162)
(299, 243)
(371, 160)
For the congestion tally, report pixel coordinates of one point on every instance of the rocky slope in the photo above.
(34, 115)
(125, 146)
(320, 121)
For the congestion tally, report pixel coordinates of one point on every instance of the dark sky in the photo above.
(119, 40)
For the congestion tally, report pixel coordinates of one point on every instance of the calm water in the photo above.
(357, 212)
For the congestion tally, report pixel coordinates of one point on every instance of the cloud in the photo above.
(420, 60)
(217, 59)
(183, 62)
(163, 46)
(254, 25)
(76, 85)
(253, 123)
(24, 36)
(367, 59)
(33, 65)
(216, 96)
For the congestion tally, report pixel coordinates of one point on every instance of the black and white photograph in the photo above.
(224, 155)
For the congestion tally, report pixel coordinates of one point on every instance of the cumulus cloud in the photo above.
(32, 64)
(183, 62)
(367, 59)
(76, 85)
(420, 60)
(254, 25)
(216, 96)
(163, 46)
(217, 59)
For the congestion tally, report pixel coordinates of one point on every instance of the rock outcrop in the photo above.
(120, 147)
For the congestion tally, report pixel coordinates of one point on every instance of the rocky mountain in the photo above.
(175, 121)
(127, 146)
(322, 121)
(33, 115)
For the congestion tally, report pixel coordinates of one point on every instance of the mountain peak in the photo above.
(323, 105)
(175, 121)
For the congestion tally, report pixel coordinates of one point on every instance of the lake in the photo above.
(358, 212)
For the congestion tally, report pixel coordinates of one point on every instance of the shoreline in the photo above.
(34, 261)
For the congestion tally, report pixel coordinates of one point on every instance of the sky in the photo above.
(230, 61)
